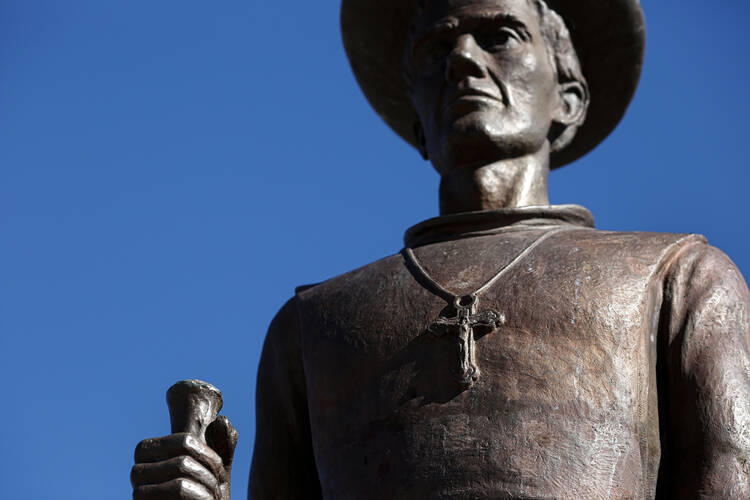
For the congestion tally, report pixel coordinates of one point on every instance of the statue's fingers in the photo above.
(184, 467)
(177, 489)
(175, 445)
(222, 437)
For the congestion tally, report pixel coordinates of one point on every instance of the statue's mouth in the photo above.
(473, 95)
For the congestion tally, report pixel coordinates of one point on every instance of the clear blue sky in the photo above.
(171, 170)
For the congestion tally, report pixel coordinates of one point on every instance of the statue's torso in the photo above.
(565, 406)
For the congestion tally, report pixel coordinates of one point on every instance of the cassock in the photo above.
(591, 364)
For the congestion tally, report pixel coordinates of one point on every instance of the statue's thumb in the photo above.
(222, 438)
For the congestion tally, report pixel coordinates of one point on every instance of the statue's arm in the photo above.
(283, 464)
(704, 378)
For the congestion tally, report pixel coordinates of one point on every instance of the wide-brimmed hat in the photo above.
(608, 35)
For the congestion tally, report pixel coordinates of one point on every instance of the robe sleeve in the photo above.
(283, 465)
(703, 371)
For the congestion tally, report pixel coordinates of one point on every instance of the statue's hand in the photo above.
(181, 466)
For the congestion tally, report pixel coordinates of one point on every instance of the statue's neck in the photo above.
(518, 182)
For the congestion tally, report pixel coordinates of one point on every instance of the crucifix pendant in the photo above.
(462, 328)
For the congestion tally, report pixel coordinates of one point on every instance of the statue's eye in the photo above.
(499, 39)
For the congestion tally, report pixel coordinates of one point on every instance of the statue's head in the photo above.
(491, 80)
(475, 81)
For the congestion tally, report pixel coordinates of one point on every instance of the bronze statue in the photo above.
(510, 350)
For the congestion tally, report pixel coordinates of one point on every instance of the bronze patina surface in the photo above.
(510, 350)
(619, 371)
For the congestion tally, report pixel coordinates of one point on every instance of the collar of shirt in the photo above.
(468, 224)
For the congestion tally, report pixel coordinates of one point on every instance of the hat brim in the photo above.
(608, 35)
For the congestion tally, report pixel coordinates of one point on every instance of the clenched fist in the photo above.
(195, 461)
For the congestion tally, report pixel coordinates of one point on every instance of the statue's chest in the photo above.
(541, 386)
(549, 339)
(553, 378)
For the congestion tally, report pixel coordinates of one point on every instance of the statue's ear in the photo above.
(570, 113)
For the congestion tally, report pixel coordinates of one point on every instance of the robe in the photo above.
(618, 368)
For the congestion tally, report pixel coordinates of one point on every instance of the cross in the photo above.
(463, 326)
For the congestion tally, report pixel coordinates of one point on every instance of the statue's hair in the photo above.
(562, 53)
(560, 49)
(564, 60)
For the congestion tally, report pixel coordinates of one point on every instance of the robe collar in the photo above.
(468, 224)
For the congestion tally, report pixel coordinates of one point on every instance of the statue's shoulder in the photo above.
(636, 243)
(659, 254)
(633, 238)
(361, 278)
(648, 251)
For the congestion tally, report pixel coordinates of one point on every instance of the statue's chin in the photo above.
(472, 145)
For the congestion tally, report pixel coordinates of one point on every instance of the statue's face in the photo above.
(483, 84)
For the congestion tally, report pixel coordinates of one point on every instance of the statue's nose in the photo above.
(464, 60)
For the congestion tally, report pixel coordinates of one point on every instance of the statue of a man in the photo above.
(510, 350)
